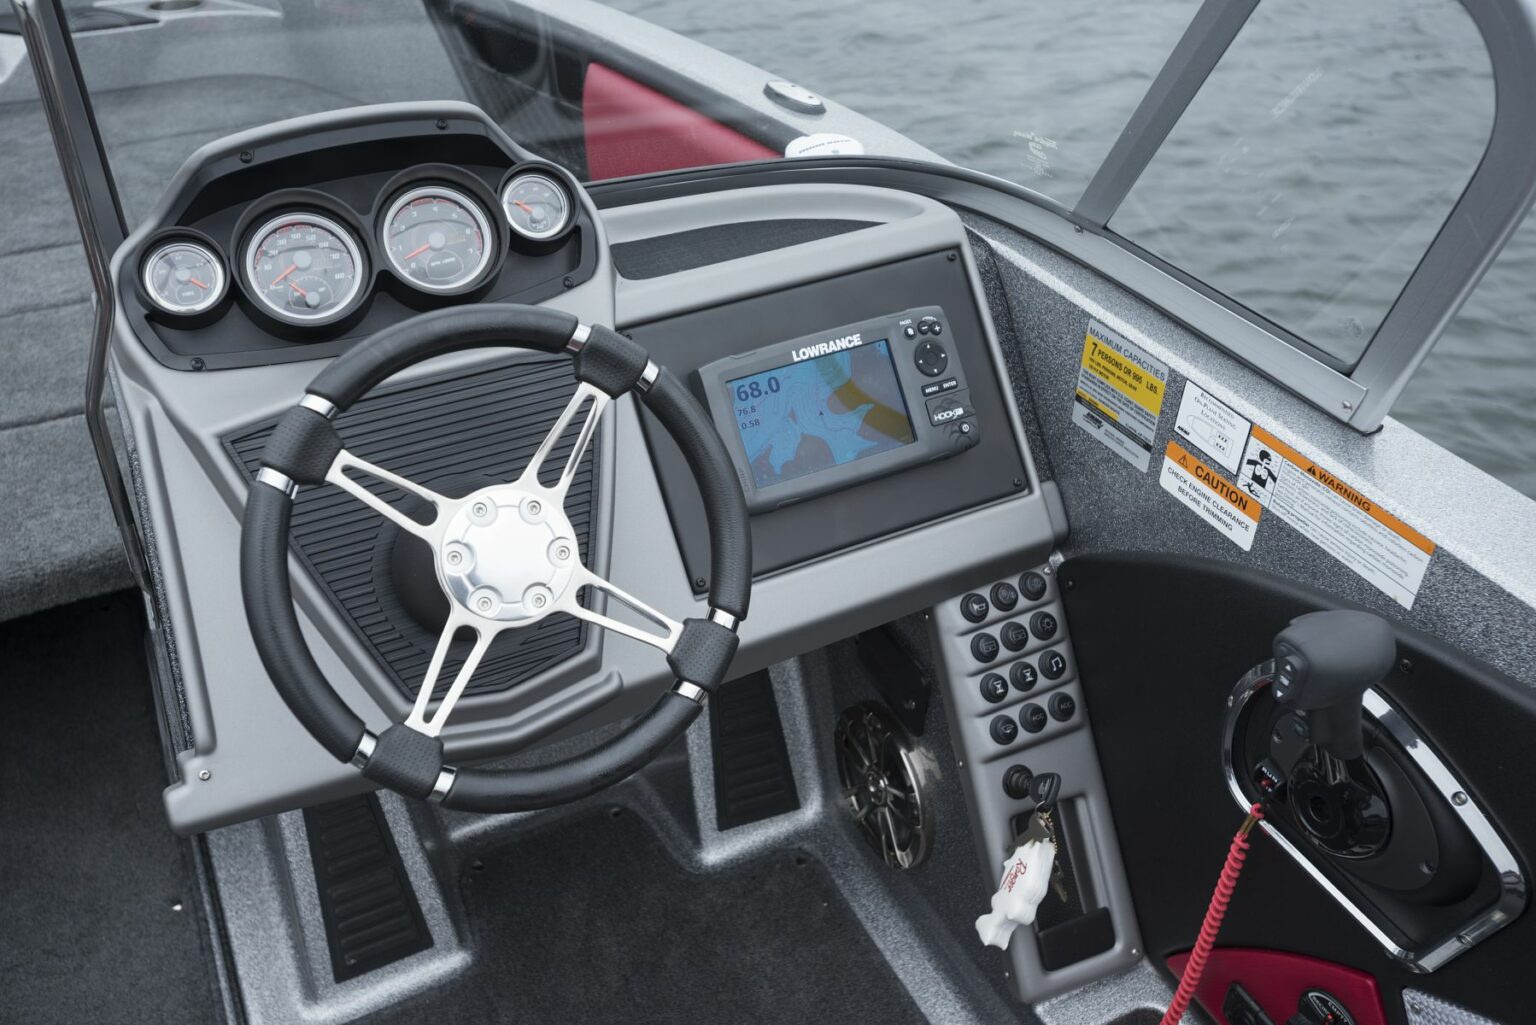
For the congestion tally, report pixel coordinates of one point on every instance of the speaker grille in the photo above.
(453, 434)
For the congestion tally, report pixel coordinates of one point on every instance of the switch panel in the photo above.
(1015, 707)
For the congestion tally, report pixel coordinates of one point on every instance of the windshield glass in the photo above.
(1304, 181)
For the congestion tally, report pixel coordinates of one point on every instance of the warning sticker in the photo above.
(1212, 426)
(1212, 496)
(1384, 550)
(1119, 395)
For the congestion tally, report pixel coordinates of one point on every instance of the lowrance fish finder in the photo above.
(841, 406)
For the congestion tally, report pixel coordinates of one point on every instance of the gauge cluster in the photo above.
(243, 275)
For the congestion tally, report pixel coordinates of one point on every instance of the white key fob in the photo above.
(1026, 878)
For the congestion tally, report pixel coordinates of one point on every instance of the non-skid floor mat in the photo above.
(595, 922)
(99, 920)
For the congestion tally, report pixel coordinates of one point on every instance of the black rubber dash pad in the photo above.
(371, 914)
(753, 780)
(453, 432)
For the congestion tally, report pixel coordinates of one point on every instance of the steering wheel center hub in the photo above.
(508, 554)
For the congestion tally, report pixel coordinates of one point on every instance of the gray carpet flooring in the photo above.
(57, 540)
(593, 921)
(92, 878)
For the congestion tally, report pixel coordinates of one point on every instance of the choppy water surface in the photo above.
(1306, 179)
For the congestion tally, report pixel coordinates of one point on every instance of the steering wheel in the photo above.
(505, 556)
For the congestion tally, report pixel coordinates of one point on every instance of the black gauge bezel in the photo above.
(298, 205)
(344, 165)
(162, 240)
(557, 177)
(452, 179)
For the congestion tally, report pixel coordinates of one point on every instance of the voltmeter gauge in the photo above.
(537, 206)
(184, 277)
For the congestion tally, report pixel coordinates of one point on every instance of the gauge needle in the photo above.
(294, 285)
(417, 251)
(198, 283)
(524, 207)
(291, 268)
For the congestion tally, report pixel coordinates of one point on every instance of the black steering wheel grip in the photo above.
(302, 450)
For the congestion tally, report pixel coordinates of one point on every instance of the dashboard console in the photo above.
(847, 301)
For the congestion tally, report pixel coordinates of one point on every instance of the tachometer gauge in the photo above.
(537, 206)
(304, 268)
(184, 277)
(437, 238)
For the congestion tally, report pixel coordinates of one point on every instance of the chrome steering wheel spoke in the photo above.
(666, 631)
(485, 632)
(440, 504)
(585, 394)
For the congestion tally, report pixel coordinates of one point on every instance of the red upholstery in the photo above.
(1276, 980)
(633, 129)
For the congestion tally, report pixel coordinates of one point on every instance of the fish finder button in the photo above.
(931, 359)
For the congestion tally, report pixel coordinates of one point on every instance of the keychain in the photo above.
(1028, 872)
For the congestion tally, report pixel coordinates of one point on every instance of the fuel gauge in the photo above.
(184, 277)
(537, 206)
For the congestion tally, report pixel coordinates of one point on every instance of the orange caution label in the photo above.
(1206, 492)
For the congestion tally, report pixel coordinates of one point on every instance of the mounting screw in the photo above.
(197, 363)
(1018, 482)
(1348, 405)
(1459, 798)
(953, 256)
(1077, 228)
(205, 774)
(569, 282)
(246, 156)
(535, 507)
(442, 124)
(484, 604)
(539, 601)
(1405, 665)
(480, 509)
(699, 582)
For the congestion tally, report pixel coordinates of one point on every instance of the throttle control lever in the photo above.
(1324, 664)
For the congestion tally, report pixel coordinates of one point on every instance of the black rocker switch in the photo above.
(1324, 664)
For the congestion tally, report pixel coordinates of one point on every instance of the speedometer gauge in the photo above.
(184, 277)
(437, 238)
(304, 268)
(537, 206)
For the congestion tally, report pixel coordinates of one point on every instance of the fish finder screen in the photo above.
(820, 413)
